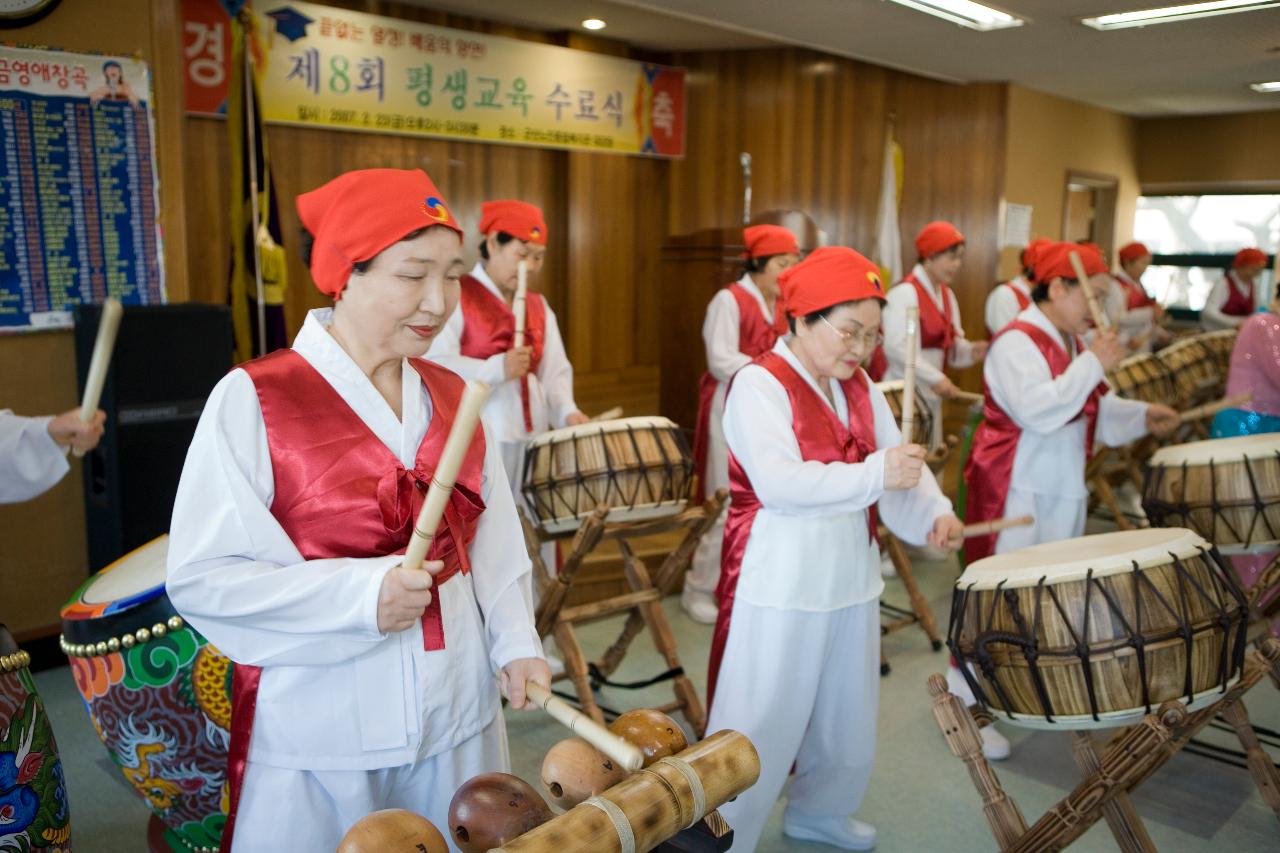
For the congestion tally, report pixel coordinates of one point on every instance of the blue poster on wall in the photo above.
(78, 187)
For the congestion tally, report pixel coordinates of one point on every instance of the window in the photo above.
(1193, 239)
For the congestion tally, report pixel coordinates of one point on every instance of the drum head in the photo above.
(135, 578)
(556, 436)
(1219, 450)
(1073, 559)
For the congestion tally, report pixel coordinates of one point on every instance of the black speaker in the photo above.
(167, 359)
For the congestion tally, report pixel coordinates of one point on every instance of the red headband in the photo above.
(765, 240)
(518, 218)
(358, 214)
(937, 237)
(1249, 258)
(1133, 251)
(1054, 261)
(829, 276)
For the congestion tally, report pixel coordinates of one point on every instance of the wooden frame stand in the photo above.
(643, 603)
(1131, 757)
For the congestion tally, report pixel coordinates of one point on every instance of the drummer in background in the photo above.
(1047, 402)
(359, 684)
(1009, 298)
(532, 385)
(1234, 297)
(813, 449)
(33, 451)
(940, 248)
(1255, 369)
(1137, 313)
(744, 320)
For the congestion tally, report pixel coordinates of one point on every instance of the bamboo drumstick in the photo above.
(518, 304)
(609, 414)
(1099, 319)
(446, 473)
(1211, 409)
(995, 525)
(628, 755)
(909, 378)
(108, 327)
(967, 397)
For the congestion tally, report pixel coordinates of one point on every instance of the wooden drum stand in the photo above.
(1127, 760)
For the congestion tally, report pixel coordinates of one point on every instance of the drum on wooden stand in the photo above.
(639, 467)
(34, 814)
(158, 695)
(1225, 489)
(1221, 343)
(923, 424)
(1196, 372)
(1143, 377)
(1098, 631)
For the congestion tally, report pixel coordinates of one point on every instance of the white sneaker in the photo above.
(701, 606)
(847, 833)
(887, 568)
(995, 746)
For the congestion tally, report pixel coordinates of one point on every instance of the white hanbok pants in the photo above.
(704, 570)
(1057, 518)
(282, 809)
(805, 688)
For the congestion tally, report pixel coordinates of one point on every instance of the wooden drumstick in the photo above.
(628, 755)
(1211, 409)
(1099, 319)
(446, 473)
(909, 378)
(967, 397)
(518, 304)
(108, 327)
(609, 414)
(995, 525)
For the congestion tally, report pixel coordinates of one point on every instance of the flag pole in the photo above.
(250, 124)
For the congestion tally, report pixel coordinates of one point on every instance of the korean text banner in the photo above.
(78, 188)
(347, 70)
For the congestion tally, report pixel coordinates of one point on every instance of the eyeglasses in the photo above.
(870, 340)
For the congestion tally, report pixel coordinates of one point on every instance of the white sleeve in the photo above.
(500, 569)
(31, 462)
(1213, 307)
(555, 373)
(720, 335)
(908, 513)
(1002, 308)
(1121, 421)
(446, 350)
(900, 298)
(961, 347)
(233, 571)
(757, 429)
(1019, 380)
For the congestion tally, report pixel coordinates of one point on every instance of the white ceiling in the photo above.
(1201, 66)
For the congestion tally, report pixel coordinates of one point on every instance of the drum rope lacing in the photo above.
(626, 837)
(1027, 641)
(1182, 513)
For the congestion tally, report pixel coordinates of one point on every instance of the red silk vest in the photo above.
(989, 470)
(1238, 304)
(328, 465)
(1136, 293)
(822, 438)
(937, 327)
(755, 338)
(490, 328)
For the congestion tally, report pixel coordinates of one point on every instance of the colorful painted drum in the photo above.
(158, 695)
(34, 815)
